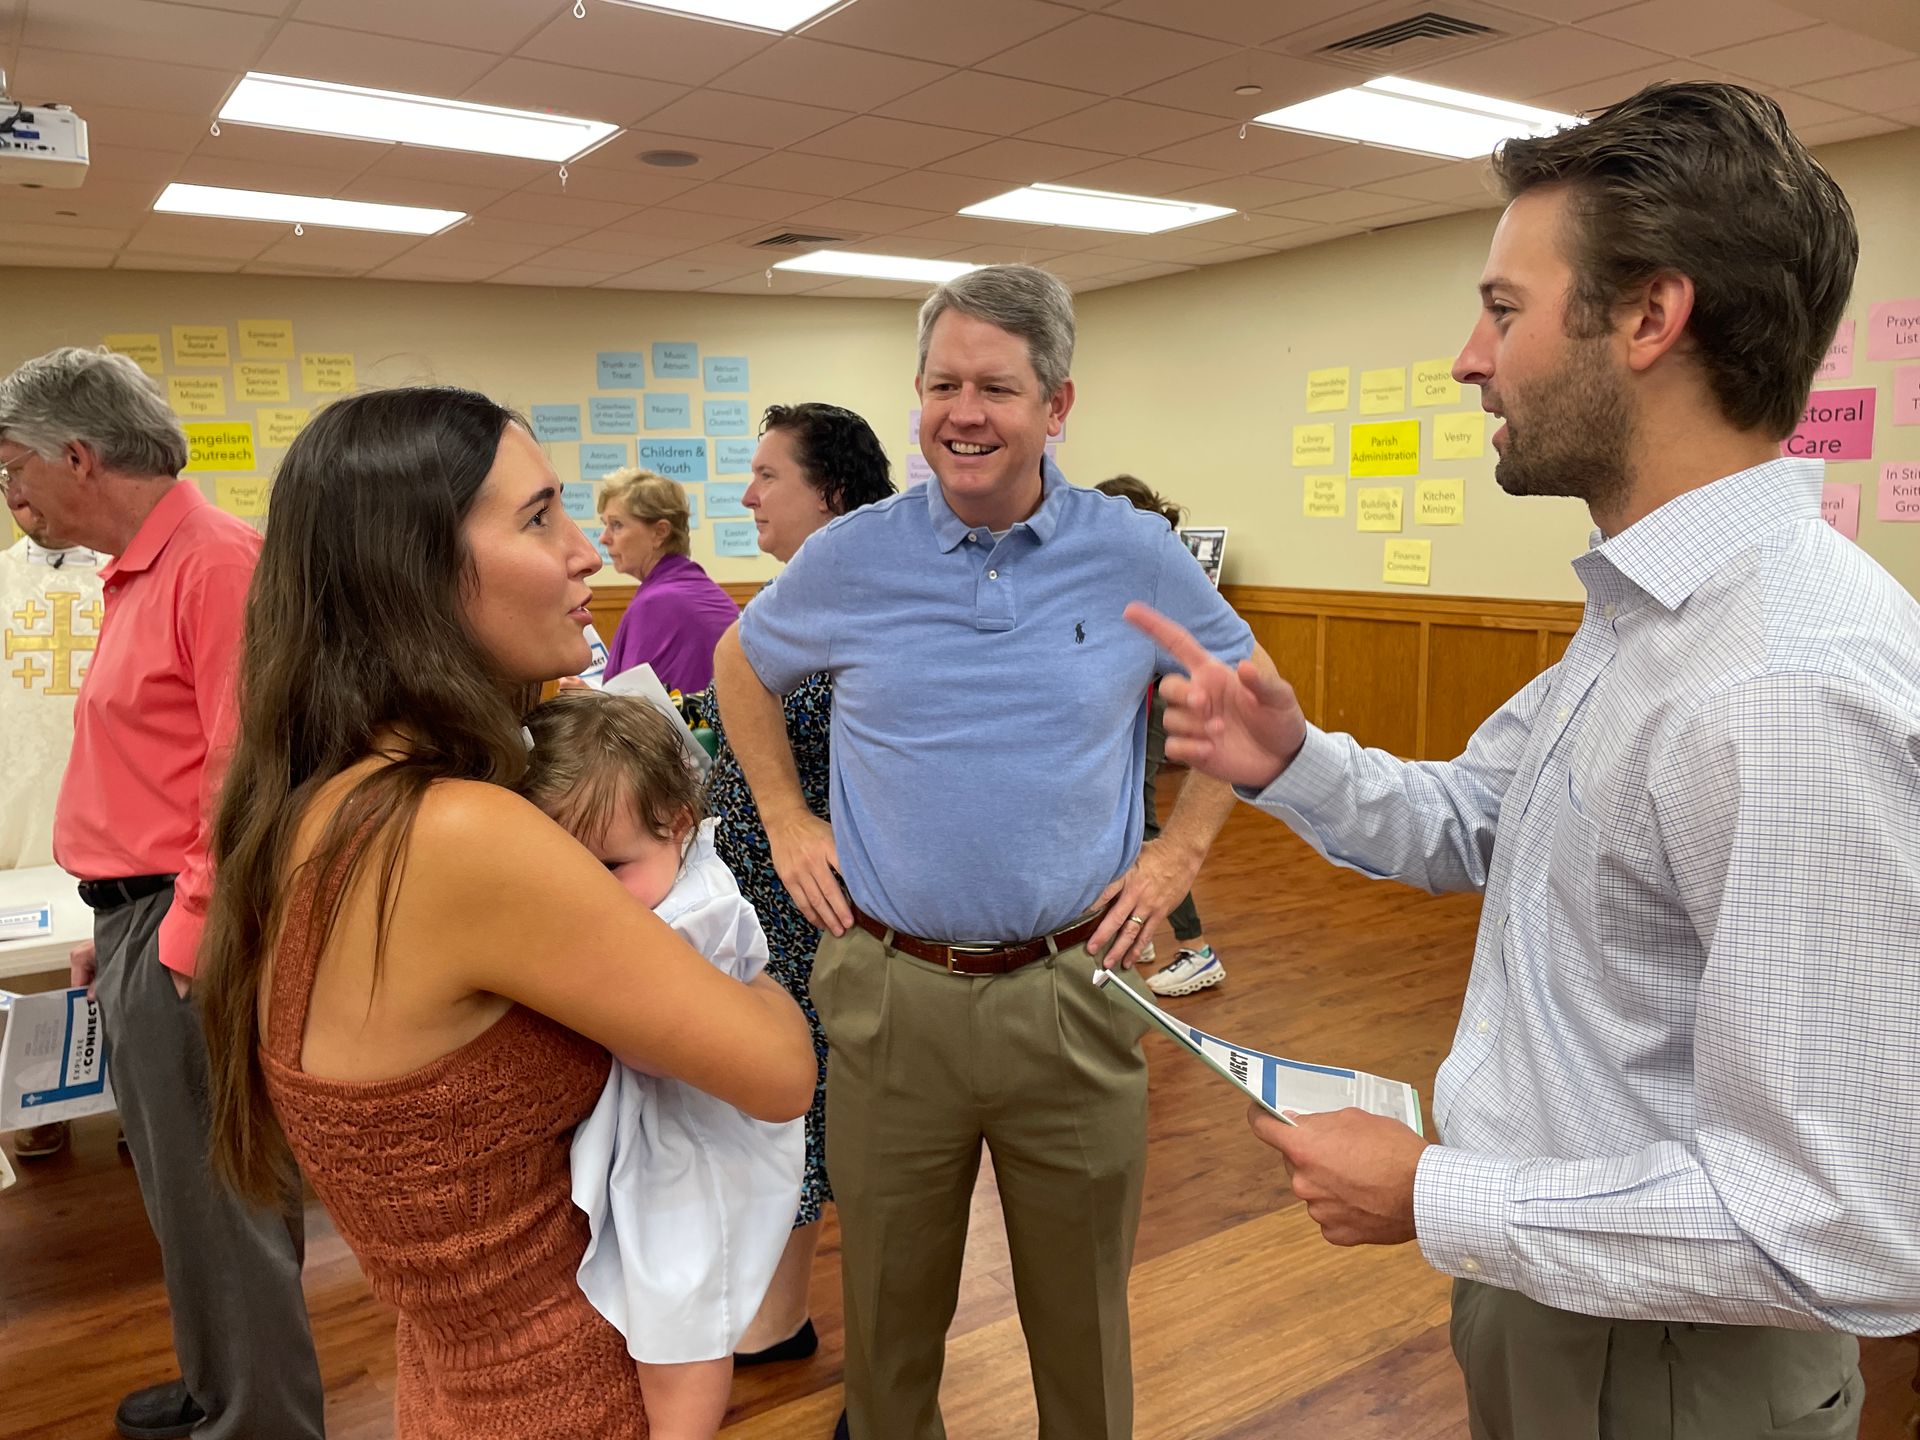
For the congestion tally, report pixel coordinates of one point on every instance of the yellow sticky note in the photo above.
(261, 380)
(1408, 562)
(1390, 447)
(197, 394)
(326, 374)
(1325, 497)
(1440, 502)
(200, 345)
(1380, 507)
(1383, 391)
(1313, 444)
(246, 498)
(1460, 436)
(266, 339)
(220, 447)
(278, 427)
(1327, 389)
(1433, 383)
(142, 349)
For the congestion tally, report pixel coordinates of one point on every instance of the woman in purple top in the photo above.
(679, 613)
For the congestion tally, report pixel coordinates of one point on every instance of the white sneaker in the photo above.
(1191, 970)
(1145, 957)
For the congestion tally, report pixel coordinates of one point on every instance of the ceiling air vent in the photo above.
(1427, 28)
(1395, 38)
(794, 239)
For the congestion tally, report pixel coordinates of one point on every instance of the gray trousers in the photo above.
(1536, 1373)
(240, 1328)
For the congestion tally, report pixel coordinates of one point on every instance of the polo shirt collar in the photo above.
(950, 531)
(157, 529)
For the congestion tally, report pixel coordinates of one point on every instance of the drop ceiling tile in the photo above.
(633, 244)
(1879, 91)
(1237, 22)
(1088, 264)
(1021, 162)
(785, 282)
(272, 8)
(1548, 60)
(928, 32)
(993, 104)
(674, 275)
(1008, 254)
(1565, 12)
(1803, 110)
(290, 148)
(78, 80)
(1819, 53)
(743, 119)
(1857, 128)
(1283, 80)
(924, 190)
(528, 205)
(1468, 180)
(1134, 276)
(1689, 27)
(621, 187)
(1590, 96)
(1177, 245)
(628, 41)
(206, 264)
(524, 84)
(547, 277)
(1258, 229)
(881, 141)
(969, 230)
(115, 164)
(691, 225)
(112, 128)
(813, 174)
(337, 247)
(143, 30)
(1249, 192)
(1141, 177)
(99, 205)
(872, 290)
(598, 263)
(220, 239)
(746, 202)
(715, 158)
(340, 270)
(347, 57)
(1123, 127)
(49, 239)
(497, 26)
(1129, 55)
(528, 232)
(454, 167)
(409, 267)
(463, 247)
(1338, 206)
(863, 216)
(1262, 148)
(1354, 165)
(238, 174)
(806, 71)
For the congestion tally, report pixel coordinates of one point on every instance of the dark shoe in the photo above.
(39, 1141)
(797, 1346)
(840, 1431)
(159, 1412)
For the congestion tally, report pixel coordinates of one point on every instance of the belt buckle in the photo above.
(953, 950)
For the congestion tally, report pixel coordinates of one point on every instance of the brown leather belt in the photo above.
(977, 959)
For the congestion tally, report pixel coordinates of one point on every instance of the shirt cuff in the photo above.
(179, 941)
(1315, 776)
(1461, 1204)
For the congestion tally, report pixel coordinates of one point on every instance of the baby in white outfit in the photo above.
(689, 1202)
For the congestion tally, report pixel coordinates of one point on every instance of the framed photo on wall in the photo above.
(1209, 547)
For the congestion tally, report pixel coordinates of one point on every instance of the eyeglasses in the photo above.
(6, 471)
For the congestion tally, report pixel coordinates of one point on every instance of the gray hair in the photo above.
(1022, 300)
(100, 399)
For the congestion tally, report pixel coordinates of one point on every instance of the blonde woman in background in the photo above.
(679, 613)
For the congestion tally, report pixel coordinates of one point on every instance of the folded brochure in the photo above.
(1278, 1084)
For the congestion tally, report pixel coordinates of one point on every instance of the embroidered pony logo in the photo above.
(1079, 633)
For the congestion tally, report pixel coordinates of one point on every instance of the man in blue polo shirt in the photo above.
(989, 731)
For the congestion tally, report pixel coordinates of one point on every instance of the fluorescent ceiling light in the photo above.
(777, 15)
(1407, 115)
(178, 199)
(875, 267)
(1094, 210)
(283, 102)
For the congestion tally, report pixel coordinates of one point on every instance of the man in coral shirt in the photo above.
(87, 442)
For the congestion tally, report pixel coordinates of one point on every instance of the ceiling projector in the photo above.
(42, 146)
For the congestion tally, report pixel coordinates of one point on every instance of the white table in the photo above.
(72, 920)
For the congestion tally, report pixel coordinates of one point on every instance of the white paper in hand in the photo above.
(641, 681)
(53, 1060)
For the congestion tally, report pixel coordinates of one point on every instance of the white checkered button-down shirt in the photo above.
(1686, 1080)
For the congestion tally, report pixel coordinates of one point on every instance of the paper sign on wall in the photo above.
(725, 417)
(200, 345)
(1906, 395)
(736, 537)
(1408, 562)
(666, 411)
(220, 447)
(919, 472)
(1379, 507)
(1327, 389)
(676, 360)
(1461, 435)
(556, 424)
(246, 498)
(1383, 391)
(726, 372)
(913, 429)
(278, 427)
(1900, 491)
(620, 370)
(613, 415)
(1313, 444)
(1388, 448)
(602, 457)
(1840, 507)
(326, 373)
(1324, 497)
(261, 380)
(1838, 362)
(266, 340)
(732, 457)
(143, 349)
(576, 498)
(1433, 383)
(1835, 425)
(1893, 330)
(197, 394)
(682, 460)
(723, 500)
(1440, 502)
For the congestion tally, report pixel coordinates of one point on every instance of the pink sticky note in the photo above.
(918, 469)
(1893, 330)
(1839, 362)
(1900, 490)
(1840, 508)
(1906, 395)
(913, 427)
(1835, 425)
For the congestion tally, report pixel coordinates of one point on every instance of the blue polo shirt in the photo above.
(989, 717)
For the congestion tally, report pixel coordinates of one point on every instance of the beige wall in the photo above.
(1194, 383)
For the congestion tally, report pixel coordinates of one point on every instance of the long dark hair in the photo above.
(837, 452)
(353, 628)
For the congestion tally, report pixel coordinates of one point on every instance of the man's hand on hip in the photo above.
(807, 864)
(1139, 900)
(1354, 1170)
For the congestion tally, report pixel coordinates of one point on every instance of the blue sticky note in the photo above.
(726, 417)
(621, 370)
(726, 372)
(723, 500)
(676, 360)
(556, 422)
(669, 412)
(577, 498)
(732, 457)
(682, 460)
(602, 458)
(613, 415)
(597, 534)
(736, 537)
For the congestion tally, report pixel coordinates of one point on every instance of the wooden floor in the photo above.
(1245, 1324)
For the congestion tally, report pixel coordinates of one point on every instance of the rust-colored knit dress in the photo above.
(451, 1186)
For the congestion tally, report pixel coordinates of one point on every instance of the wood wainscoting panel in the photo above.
(1374, 676)
(1293, 642)
(1472, 671)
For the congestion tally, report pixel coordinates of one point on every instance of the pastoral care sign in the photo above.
(1835, 425)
